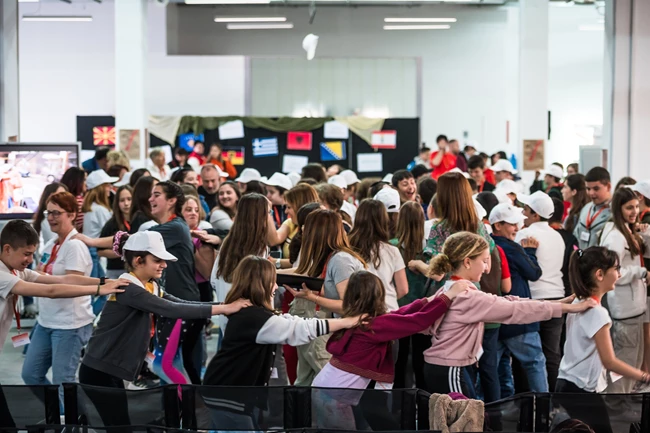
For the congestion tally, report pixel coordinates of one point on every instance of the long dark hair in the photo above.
(253, 279)
(296, 242)
(455, 203)
(42, 204)
(118, 216)
(140, 200)
(172, 190)
(247, 235)
(410, 230)
(576, 182)
(634, 241)
(370, 230)
(584, 263)
(74, 179)
(364, 295)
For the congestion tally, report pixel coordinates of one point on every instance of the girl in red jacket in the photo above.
(364, 353)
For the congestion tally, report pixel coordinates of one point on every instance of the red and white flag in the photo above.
(384, 140)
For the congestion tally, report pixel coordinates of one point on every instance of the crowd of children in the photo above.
(448, 276)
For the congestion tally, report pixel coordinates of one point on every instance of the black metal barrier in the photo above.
(205, 408)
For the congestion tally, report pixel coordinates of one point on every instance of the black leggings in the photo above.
(589, 408)
(113, 408)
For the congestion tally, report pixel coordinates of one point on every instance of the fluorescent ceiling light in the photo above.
(60, 18)
(28, 1)
(259, 26)
(250, 19)
(433, 27)
(420, 20)
(592, 28)
(226, 2)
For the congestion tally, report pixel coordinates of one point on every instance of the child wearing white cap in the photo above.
(120, 342)
(521, 341)
(276, 186)
(97, 210)
(247, 175)
(552, 184)
(550, 256)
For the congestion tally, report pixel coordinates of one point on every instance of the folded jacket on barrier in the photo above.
(447, 415)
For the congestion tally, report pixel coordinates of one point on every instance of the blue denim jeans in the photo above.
(488, 366)
(59, 349)
(527, 348)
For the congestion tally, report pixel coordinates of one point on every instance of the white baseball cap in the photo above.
(99, 177)
(555, 171)
(281, 180)
(642, 187)
(349, 176)
(338, 180)
(539, 202)
(480, 210)
(507, 186)
(249, 174)
(309, 44)
(151, 242)
(458, 170)
(388, 178)
(508, 213)
(125, 179)
(295, 177)
(504, 165)
(390, 198)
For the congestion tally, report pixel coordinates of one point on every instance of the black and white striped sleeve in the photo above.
(292, 330)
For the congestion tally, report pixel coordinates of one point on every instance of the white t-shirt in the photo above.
(7, 282)
(391, 262)
(581, 363)
(70, 313)
(550, 256)
(95, 220)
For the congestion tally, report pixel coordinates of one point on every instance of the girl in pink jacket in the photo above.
(456, 338)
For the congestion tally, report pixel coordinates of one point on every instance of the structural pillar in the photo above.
(626, 123)
(533, 76)
(9, 101)
(130, 69)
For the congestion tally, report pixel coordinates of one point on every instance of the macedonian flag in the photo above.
(104, 135)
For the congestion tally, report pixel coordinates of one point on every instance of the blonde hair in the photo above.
(253, 279)
(197, 200)
(96, 195)
(457, 248)
(117, 157)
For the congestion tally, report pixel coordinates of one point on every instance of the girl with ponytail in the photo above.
(120, 341)
(456, 339)
(589, 351)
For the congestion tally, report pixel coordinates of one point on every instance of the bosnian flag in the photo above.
(384, 140)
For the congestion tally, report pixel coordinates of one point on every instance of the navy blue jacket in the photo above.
(523, 268)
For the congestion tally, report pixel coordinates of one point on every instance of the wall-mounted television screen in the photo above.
(25, 170)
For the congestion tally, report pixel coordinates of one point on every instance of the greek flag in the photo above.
(265, 146)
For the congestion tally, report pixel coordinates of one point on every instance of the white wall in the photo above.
(67, 69)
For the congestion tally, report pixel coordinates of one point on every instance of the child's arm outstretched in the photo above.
(607, 356)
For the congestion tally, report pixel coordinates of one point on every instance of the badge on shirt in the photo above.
(274, 373)
(584, 236)
(20, 340)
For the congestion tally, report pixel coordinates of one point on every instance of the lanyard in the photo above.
(455, 278)
(171, 217)
(480, 188)
(127, 225)
(16, 313)
(50, 263)
(591, 219)
(276, 213)
(643, 214)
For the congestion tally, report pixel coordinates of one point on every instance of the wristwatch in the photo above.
(278, 264)
(102, 281)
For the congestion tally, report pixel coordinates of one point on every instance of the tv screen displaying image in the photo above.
(25, 170)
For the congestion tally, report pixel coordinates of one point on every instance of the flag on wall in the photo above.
(234, 154)
(104, 136)
(265, 146)
(384, 140)
(299, 140)
(332, 151)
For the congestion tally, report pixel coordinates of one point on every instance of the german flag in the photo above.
(234, 154)
(104, 135)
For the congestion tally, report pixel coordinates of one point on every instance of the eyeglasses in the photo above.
(53, 213)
